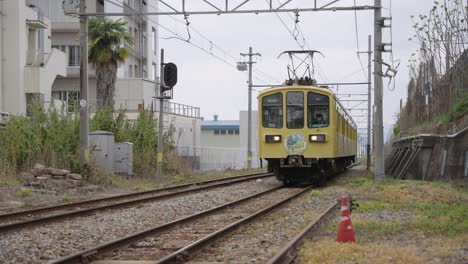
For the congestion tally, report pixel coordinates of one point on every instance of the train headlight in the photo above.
(272, 138)
(317, 138)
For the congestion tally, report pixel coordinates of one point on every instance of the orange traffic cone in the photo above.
(345, 229)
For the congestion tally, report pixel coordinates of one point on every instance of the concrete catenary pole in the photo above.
(84, 126)
(159, 155)
(249, 119)
(378, 94)
(369, 103)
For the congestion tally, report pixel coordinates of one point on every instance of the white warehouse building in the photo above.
(223, 143)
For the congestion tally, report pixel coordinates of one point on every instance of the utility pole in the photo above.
(159, 155)
(378, 93)
(369, 101)
(84, 127)
(249, 125)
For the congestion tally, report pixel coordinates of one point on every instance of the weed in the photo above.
(376, 229)
(375, 206)
(315, 194)
(443, 218)
(328, 251)
(359, 182)
(24, 193)
(67, 199)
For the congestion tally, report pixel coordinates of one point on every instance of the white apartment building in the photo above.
(136, 83)
(136, 80)
(28, 65)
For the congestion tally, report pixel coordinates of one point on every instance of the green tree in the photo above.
(106, 53)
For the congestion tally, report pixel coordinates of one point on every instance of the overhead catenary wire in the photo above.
(357, 43)
(294, 36)
(214, 45)
(179, 37)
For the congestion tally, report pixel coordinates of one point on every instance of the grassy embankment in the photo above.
(399, 222)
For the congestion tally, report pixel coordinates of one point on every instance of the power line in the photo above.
(299, 30)
(212, 44)
(357, 42)
(177, 36)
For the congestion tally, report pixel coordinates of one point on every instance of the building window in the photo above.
(143, 45)
(223, 132)
(230, 132)
(74, 56)
(62, 48)
(136, 38)
(153, 71)
(70, 98)
(216, 132)
(153, 40)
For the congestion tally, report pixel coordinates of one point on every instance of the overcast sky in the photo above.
(218, 88)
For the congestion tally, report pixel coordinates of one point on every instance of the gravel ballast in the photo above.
(54, 240)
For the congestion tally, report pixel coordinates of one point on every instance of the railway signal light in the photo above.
(170, 76)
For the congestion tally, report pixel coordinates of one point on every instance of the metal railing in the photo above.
(132, 105)
(177, 109)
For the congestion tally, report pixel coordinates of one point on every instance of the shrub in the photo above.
(52, 138)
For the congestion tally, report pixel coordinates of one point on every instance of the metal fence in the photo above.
(213, 158)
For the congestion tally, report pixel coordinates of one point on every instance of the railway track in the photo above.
(194, 231)
(181, 239)
(289, 252)
(21, 219)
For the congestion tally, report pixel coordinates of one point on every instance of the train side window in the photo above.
(294, 109)
(317, 110)
(272, 111)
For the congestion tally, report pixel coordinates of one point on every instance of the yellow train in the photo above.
(305, 134)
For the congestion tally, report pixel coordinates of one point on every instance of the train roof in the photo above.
(294, 87)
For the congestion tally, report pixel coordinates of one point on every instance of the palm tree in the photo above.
(106, 53)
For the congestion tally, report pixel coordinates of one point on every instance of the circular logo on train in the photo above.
(295, 143)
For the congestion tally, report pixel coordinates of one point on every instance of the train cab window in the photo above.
(317, 110)
(272, 111)
(294, 109)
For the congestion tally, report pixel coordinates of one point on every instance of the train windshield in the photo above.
(272, 111)
(295, 109)
(317, 110)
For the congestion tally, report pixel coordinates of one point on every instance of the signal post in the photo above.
(167, 81)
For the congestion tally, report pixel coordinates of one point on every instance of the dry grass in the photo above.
(328, 251)
(399, 221)
(407, 191)
(8, 177)
(437, 249)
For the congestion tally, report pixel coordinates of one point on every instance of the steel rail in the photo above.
(206, 185)
(120, 196)
(88, 254)
(290, 251)
(188, 250)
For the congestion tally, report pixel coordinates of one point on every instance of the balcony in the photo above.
(41, 70)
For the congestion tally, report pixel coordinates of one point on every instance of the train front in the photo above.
(295, 132)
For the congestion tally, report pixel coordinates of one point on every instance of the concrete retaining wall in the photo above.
(430, 157)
